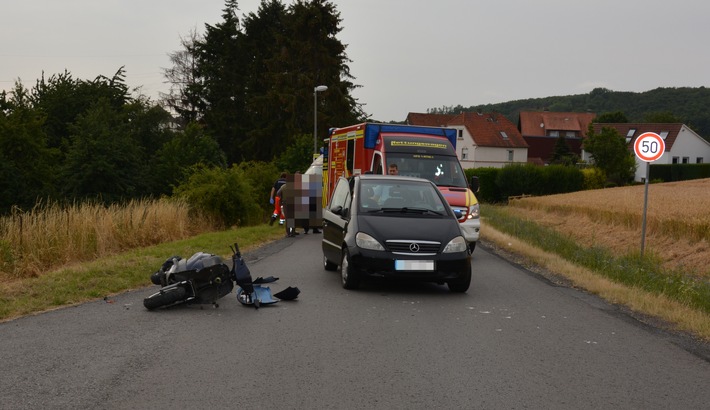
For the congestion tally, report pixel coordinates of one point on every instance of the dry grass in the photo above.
(50, 235)
(677, 224)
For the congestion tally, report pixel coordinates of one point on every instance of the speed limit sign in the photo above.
(649, 146)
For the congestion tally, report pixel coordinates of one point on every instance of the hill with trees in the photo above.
(686, 105)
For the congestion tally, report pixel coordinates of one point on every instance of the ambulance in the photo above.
(424, 152)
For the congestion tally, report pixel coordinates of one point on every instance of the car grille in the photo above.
(413, 247)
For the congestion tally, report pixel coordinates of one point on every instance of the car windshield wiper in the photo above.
(408, 209)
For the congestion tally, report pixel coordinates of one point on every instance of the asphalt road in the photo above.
(513, 341)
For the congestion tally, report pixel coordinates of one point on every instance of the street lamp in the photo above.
(315, 116)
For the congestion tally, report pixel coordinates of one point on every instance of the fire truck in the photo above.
(424, 152)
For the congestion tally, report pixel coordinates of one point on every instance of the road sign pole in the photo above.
(645, 208)
(648, 147)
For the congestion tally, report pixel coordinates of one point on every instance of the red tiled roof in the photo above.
(673, 129)
(538, 123)
(429, 120)
(485, 129)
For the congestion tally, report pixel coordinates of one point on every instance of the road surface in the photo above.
(514, 340)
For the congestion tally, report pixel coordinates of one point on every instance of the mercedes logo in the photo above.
(414, 247)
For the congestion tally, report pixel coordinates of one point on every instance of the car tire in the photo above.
(328, 265)
(461, 284)
(349, 277)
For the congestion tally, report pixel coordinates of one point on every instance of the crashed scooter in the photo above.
(251, 292)
(204, 278)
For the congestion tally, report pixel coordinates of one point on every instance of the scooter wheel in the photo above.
(165, 298)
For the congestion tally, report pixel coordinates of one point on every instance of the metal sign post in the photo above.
(648, 147)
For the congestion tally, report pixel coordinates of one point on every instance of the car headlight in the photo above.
(474, 212)
(458, 244)
(365, 241)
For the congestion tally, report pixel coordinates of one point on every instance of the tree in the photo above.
(184, 97)
(266, 103)
(255, 81)
(297, 156)
(561, 154)
(221, 69)
(27, 164)
(63, 98)
(103, 160)
(616, 117)
(662, 117)
(177, 158)
(610, 154)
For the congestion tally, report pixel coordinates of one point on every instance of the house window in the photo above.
(699, 160)
(686, 160)
(460, 134)
(571, 134)
(510, 155)
(675, 160)
(631, 132)
(464, 153)
(504, 135)
(553, 133)
(663, 134)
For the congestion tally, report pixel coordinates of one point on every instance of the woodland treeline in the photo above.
(240, 108)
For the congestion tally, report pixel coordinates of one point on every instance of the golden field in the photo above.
(50, 235)
(677, 222)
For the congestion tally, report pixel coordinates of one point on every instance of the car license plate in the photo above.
(413, 265)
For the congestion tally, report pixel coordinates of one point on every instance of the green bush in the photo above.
(526, 179)
(226, 194)
(488, 190)
(558, 179)
(262, 176)
(594, 178)
(497, 184)
(679, 172)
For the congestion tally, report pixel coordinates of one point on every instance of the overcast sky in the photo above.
(408, 55)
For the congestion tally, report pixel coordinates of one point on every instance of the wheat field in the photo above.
(677, 220)
(52, 235)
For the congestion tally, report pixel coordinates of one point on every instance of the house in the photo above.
(683, 145)
(484, 140)
(542, 129)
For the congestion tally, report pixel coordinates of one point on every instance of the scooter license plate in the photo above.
(414, 265)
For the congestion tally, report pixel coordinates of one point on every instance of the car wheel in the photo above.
(349, 276)
(328, 265)
(462, 283)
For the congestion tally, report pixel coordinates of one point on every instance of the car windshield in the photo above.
(383, 195)
(441, 170)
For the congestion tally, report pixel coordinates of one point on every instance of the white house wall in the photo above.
(687, 144)
(494, 157)
(485, 156)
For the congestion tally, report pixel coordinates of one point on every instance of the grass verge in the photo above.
(638, 283)
(128, 270)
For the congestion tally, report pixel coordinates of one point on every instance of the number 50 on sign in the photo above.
(649, 146)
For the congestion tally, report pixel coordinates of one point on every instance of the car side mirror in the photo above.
(474, 184)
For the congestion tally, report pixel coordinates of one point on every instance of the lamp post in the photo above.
(315, 116)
